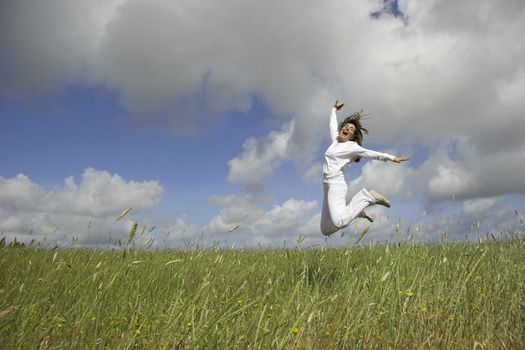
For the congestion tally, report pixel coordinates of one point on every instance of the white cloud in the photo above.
(450, 179)
(102, 194)
(479, 206)
(313, 174)
(460, 169)
(19, 193)
(311, 227)
(87, 209)
(421, 74)
(259, 223)
(285, 218)
(48, 43)
(388, 178)
(260, 157)
(84, 213)
(236, 210)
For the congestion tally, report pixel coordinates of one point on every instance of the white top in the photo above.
(339, 154)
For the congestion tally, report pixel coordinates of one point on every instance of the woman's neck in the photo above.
(340, 140)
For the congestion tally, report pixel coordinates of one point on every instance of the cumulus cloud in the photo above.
(48, 44)
(422, 69)
(450, 179)
(479, 206)
(84, 212)
(310, 229)
(101, 194)
(19, 193)
(88, 208)
(260, 220)
(260, 157)
(387, 178)
(458, 168)
(236, 209)
(313, 173)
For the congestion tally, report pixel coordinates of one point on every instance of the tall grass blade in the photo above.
(132, 232)
(231, 229)
(362, 235)
(124, 213)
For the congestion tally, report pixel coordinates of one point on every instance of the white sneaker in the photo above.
(365, 215)
(379, 198)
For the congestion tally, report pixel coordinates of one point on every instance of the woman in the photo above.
(345, 149)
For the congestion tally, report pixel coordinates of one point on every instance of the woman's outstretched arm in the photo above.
(357, 150)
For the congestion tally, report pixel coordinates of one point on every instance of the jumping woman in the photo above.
(345, 149)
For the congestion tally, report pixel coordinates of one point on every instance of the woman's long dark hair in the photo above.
(359, 129)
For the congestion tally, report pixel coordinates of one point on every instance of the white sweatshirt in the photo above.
(339, 154)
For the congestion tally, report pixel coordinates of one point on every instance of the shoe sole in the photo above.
(379, 198)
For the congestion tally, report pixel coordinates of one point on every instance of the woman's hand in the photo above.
(338, 105)
(400, 159)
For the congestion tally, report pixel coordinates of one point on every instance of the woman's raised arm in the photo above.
(333, 120)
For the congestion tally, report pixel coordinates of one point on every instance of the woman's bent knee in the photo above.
(327, 230)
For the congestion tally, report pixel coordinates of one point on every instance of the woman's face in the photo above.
(347, 132)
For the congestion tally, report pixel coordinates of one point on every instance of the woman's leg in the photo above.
(341, 213)
(327, 225)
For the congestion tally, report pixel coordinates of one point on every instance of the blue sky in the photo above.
(204, 123)
(58, 136)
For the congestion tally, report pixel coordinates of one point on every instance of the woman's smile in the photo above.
(347, 132)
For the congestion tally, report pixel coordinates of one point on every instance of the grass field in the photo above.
(469, 296)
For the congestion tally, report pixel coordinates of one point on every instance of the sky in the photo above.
(207, 116)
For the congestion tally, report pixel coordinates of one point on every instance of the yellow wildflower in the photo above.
(295, 330)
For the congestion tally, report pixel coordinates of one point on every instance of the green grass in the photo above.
(408, 296)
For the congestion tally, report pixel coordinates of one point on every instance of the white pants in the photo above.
(336, 213)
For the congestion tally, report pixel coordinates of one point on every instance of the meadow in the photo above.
(407, 296)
